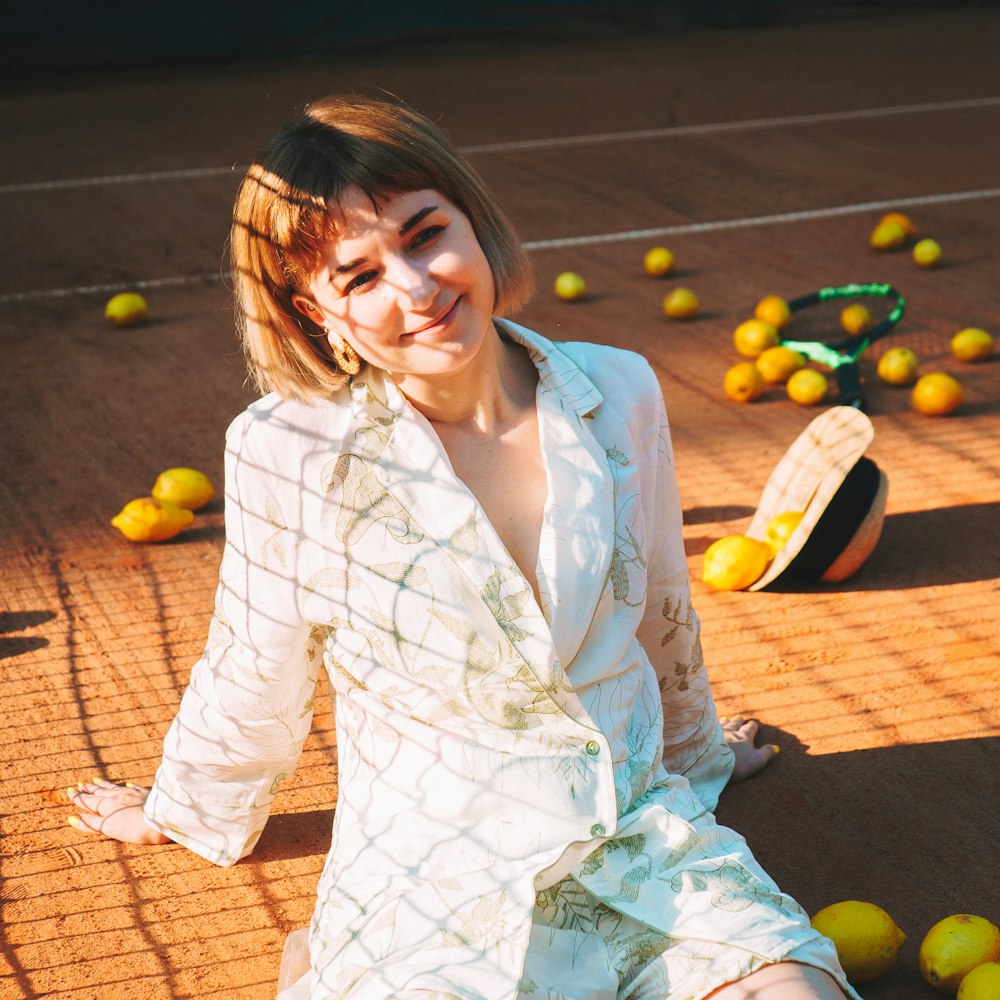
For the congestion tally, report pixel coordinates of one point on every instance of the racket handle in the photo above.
(849, 385)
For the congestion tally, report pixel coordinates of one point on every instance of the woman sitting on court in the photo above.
(476, 532)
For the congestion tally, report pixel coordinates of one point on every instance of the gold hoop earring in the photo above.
(348, 359)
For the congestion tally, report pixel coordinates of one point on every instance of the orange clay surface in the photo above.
(882, 691)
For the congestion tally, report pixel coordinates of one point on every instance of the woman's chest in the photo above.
(507, 477)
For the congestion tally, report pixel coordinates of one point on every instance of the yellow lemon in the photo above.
(807, 386)
(185, 487)
(657, 262)
(982, 983)
(754, 336)
(898, 366)
(927, 253)
(865, 936)
(780, 527)
(972, 344)
(681, 303)
(743, 382)
(734, 562)
(937, 394)
(903, 221)
(856, 319)
(150, 520)
(570, 287)
(777, 363)
(773, 309)
(126, 309)
(955, 946)
(888, 236)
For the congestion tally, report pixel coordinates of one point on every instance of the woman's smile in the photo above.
(442, 320)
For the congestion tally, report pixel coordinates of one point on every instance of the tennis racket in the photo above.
(841, 353)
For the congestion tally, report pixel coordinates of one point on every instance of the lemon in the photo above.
(773, 309)
(754, 336)
(806, 386)
(937, 394)
(185, 487)
(777, 363)
(150, 520)
(865, 936)
(657, 262)
(903, 221)
(898, 366)
(982, 983)
(972, 344)
(126, 309)
(856, 319)
(779, 529)
(681, 303)
(955, 946)
(734, 562)
(570, 287)
(927, 253)
(743, 382)
(888, 236)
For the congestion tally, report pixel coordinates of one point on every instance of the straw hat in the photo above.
(841, 493)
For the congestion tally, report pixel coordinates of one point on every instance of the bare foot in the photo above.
(741, 736)
(113, 811)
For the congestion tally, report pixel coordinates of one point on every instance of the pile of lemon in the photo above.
(770, 363)
(168, 510)
(959, 955)
(934, 393)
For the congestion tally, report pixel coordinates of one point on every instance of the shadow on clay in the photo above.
(15, 621)
(909, 827)
(289, 836)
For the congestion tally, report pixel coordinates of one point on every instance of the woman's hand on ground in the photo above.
(114, 811)
(741, 737)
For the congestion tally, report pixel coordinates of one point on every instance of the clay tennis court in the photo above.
(762, 156)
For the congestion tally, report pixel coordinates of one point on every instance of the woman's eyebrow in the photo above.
(416, 219)
(350, 265)
(413, 220)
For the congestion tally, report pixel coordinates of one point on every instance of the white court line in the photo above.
(570, 241)
(747, 124)
(762, 220)
(642, 135)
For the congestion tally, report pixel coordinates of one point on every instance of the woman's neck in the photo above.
(486, 397)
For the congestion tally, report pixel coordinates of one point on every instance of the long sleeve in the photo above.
(248, 707)
(693, 741)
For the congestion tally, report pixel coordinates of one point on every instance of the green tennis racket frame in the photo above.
(842, 354)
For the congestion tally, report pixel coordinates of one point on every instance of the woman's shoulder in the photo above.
(606, 366)
(618, 373)
(275, 426)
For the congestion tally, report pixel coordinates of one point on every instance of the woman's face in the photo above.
(407, 286)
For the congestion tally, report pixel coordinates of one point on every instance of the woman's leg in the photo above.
(782, 981)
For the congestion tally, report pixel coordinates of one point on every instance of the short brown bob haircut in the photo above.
(282, 223)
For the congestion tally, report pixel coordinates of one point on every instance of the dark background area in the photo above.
(39, 40)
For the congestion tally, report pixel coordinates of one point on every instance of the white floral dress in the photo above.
(494, 752)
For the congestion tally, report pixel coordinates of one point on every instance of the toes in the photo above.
(85, 823)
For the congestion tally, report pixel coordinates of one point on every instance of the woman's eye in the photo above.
(360, 281)
(426, 235)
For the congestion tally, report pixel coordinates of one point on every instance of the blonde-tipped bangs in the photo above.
(285, 214)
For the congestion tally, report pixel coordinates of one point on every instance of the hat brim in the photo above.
(807, 478)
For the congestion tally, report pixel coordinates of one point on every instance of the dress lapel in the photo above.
(577, 540)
